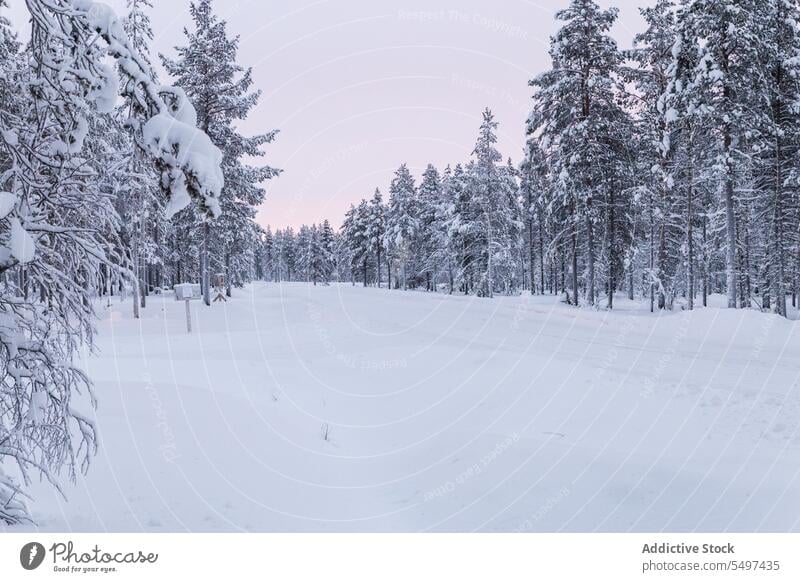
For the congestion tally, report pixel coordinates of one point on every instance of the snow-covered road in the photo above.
(301, 408)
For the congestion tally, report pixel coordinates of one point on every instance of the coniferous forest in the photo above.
(665, 172)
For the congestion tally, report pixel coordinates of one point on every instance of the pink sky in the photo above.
(358, 87)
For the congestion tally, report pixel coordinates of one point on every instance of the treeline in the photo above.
(459, 231)
(667, 171)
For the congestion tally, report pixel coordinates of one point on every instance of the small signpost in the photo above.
(219, 287)
(188, 292)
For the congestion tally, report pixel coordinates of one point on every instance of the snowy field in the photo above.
(301, 408)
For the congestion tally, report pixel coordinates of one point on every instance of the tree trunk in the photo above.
(142, 283)
(795, 274)
(705, 260)
(748, 283)
(228, 274)
(630, 281)
(135, 284)
(590, 295)
(205, 276)
(652, 265)
(730, 222)
(778, 259)
(531, 257)
(574, 266)
(690, 232)
(541, 256)
(378, 264)
(611, 282)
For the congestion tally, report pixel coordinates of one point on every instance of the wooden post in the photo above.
(188, 318)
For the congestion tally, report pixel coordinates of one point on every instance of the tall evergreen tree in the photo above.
(723, 34)
(402, 221)
(220, 89)
(377, 230)
(429, 196)
(653, 55)
(575, 119)
(776, 160)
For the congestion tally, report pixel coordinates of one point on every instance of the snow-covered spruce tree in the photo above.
(220, 90)
(576, 118)
(492, 219)
(402, 222)
(57, 223)
(327, 250)
(304, 252)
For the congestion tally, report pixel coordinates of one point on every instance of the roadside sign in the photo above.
(188, 292)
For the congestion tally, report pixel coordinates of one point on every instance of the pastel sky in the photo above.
(357, 87)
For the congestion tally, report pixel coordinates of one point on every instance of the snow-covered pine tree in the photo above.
(533, 185)
(653, 57)
(507, 257)
(445, 255)
(316, 257)
(288, 254)
(575, 118)
(429, 198)
(342, 260)
(220, 89)
(725, 36)
(462, 228)
(267, 255)
(686, 144)
(402, 221)
(327, 244)
(356, 234)
(377, 230)
(304, 253)
(776, 161)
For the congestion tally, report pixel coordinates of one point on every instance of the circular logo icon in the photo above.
(31, 555)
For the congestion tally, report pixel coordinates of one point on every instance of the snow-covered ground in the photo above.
(301, 408)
